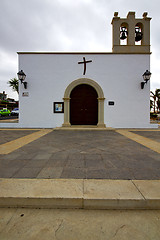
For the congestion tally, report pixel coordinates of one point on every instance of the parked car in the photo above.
(15, 112)
(5, 112)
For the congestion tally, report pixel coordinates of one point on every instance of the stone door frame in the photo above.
(66, 99)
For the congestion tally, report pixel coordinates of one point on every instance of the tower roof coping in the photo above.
(131, 14)
(145, 14)
(115, 14)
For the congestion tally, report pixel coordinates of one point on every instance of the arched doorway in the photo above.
(83, 105)
(66, 99)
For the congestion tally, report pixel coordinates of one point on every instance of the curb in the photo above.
(80, 193)
(84, 128)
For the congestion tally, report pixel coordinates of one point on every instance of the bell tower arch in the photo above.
(135, 31)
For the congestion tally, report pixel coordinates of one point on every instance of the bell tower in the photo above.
(131, 35)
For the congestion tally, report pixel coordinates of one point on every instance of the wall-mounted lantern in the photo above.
(146, 78)
(21, 77)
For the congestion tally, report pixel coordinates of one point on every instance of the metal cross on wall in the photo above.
(84, 62)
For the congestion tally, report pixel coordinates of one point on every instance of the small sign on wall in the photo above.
(111, 103)
(58, 107)
(25, 94)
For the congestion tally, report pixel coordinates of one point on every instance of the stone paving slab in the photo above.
(80, 193)
(70, 224)
(81, 155)
(38, 193)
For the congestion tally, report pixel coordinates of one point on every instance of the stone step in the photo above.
(80, 193)
(85, 128)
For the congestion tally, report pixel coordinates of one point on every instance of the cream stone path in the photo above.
(79, 224)
(69, 209)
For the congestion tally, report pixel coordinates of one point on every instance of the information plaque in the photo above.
(58, 107)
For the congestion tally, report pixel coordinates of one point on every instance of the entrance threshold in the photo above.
(83, 127)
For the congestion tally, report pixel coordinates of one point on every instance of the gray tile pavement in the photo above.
(6, 136)
(81, 154)
(149, 134)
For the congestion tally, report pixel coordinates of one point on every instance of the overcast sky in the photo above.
(67, 25)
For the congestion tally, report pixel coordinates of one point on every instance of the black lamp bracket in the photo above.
(142, 84)
(25, 85)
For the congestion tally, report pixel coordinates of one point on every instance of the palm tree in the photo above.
(156, 100)
(14, 84)
(151, 104)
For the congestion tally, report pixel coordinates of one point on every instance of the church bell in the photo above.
(138, 33)
(123, 33)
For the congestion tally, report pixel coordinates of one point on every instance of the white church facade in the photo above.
(100, 89)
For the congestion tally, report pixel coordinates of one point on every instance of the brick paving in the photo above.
(81, 154)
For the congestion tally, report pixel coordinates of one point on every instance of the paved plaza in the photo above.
(81, 154)
(62, 170)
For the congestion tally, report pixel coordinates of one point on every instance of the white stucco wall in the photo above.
(119, 75)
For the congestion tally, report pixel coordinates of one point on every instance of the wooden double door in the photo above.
(83, 105)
